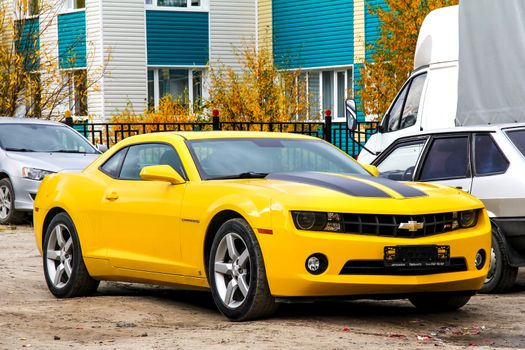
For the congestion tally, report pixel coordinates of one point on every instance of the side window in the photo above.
(403, 113)
(140, 156)
(112, 166)
(488, 158)
(411, 108)
(401, 162)
(447, 159)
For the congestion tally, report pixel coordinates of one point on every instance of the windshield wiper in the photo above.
(67, 151)
(19, 149)
(246, 175)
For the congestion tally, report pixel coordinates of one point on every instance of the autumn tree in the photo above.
(392, 58)
(258, 91)
(33, 82)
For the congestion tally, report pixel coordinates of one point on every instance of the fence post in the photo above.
(328, 126)
(216, 120)
(68, 121)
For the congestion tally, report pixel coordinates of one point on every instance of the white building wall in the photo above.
(124, 47)
(96, 59)
(233, 26)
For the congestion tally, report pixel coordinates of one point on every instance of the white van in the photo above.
(428, 99)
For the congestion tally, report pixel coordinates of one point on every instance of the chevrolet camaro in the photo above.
(258, 218)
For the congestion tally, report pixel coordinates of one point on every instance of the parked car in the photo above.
(258, 218)
(30, 149)
(486, 161)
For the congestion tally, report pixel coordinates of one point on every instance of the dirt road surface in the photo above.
(131, 316)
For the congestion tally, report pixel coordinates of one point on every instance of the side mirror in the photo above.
(161, 173)
(371, 169)
(102, 148)
(351, 114)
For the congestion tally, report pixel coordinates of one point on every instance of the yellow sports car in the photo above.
(258, 218)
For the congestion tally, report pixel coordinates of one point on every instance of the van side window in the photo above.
(403, 113)
(488, 158)
(447, 159)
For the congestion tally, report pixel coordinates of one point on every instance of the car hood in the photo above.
(364, 194)
(55, 162)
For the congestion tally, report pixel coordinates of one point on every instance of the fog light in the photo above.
(481, 256)
(316, 264)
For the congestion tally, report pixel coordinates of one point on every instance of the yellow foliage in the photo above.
(393, 57)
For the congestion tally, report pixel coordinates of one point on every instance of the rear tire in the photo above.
(501, 276)
(8, 214)
(64, 268)
(236, 273)
(439, 302)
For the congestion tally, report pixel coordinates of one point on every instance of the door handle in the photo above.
(113, 196)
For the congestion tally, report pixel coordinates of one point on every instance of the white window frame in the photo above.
(68, 6)
(204, 6)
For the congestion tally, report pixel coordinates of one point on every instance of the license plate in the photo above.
(414, 256)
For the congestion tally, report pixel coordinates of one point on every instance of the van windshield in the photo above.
(43, 138)
(518, 139)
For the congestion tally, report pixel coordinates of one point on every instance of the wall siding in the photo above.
(72, 40)
(359, 31)
(233, 27)
(95, 59)
(264, 28)
(310, 33)
(177, 38)
(372, 24)
(124, 46)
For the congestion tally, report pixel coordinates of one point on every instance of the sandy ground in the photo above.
(130, 316)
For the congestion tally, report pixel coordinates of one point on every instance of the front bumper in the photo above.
(25, 192)
(286, 251)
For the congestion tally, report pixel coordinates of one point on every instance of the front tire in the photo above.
(8, 214)
(439, 302)
(501, 276)
(236, 273)
(64, 268)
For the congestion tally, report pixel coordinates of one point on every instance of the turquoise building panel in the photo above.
(312, 33)
(29, 42)
(372, 24)
(72, 40)
(177, 38)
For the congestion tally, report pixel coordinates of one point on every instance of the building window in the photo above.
(75, 4)
(328, 89)
(183, 85)
(34, 93)
(77, 92)
(179, 4)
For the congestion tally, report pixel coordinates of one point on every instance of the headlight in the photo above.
(35, 174)
(466, 219)
(315, 221)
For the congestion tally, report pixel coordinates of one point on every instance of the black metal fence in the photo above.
(350, 141)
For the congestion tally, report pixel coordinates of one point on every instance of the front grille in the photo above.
(377, 267)
(388, 225)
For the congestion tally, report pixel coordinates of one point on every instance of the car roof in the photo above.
(201, 135)
(463, 129)
(8, 120)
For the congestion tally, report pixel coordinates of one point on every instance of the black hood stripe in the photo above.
(333, 182)
(402, 189)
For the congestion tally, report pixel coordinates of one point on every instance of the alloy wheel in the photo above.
(59, 256)
(232, 270)
(6, 202)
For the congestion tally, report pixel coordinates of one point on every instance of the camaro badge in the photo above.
(411, 226)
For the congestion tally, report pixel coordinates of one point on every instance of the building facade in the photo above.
(145, 49)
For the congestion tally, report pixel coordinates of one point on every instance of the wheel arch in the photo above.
(49, 216)
(216, 222)
(4, 175)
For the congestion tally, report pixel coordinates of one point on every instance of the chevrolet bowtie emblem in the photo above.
(412, 226)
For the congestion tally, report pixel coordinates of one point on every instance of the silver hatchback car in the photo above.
(29, 150)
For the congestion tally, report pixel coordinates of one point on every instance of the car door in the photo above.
(141, 219)
(399, 161)
(447, 161)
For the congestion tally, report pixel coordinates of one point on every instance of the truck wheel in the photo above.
(501, 276)
(439, 302)
(236, 273)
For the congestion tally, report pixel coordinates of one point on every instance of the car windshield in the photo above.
(43, 138)
(518, 139)
(257, 157)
